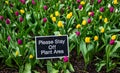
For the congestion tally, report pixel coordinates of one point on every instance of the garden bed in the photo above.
(92, 29)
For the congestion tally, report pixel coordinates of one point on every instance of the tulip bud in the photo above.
(19, 41)
(7, 21)
(45, 7)
(65, 59)
(44, 20)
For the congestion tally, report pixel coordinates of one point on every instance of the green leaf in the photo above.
(114, 31)
(67, 71)
(54, 71)
(115, 48)
(71, 67)
(100, 65)
(27, 68)
(35, 71)
(9, 61)
(49, 67)
(83, 48)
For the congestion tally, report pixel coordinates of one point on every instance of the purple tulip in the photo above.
(1, 17)
(92, 13)
(7, 21)
(21, 19)
(101, 9)
(23, 1)
(65, 59)
(11, 5)
(78, 1)
(33, 2)
(80, 7)
(44, 20)
(99, 1)
(112, 42)
(16, 13)
(8, 38)
(19, 41)
(111, 9)
(89, 20)
(45, 7)
(77, 33)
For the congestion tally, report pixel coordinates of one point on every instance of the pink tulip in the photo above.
(101, 9)
(8, 38)
(21, 19)
(112, 42)
(65, 59)
(99, 1)
(19, 41)
(1, 17)
(23, 1)
(16, 13)
(77, 33)
(92, 13)
(45, 7)
(111, 9)
(89, 20)
(33, 2)
(80, 7)
(7, 21)
(44, 20)
(78, 1)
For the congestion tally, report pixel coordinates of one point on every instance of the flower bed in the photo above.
(92, 27)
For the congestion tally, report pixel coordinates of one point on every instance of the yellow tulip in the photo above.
(113, 37)
(87, 40)
(78, 26)
(95, 38)
(84, 22)
(60, 24)
(31, 56)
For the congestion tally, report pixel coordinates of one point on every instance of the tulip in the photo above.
(101, 9)
(44, 20)
(11, 5)
(22, 1)
(7, 21)
(77, 33)
(1, 17)
(19, 41)
(60, 24)
(33, 2)
(92, 13)
(89, 20)
(78, 1)
(65, 59)
(45, 7)
(112, 42)
(99, 1)
(111, 9)
(8, 38)
(16, 13)
(21, 19)
(80, 7)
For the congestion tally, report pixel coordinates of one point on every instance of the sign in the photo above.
(51, 46)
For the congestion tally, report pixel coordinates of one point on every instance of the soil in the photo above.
(78, 64)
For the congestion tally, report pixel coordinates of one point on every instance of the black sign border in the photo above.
(51, 57)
